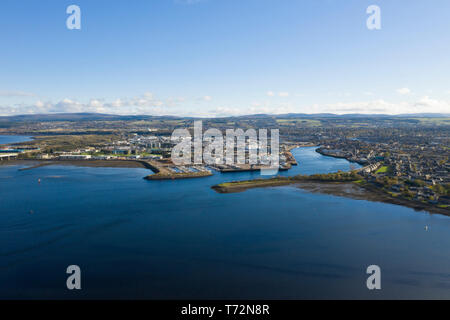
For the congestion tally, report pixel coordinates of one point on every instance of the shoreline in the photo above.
(177, 176)
(37, 163)
(160, 172)
(320, 151)
(347, 189)
(371, 193)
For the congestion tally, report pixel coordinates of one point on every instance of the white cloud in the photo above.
(254, 108)
(280, 94)
(148, 95)
(16, 94)
(173, 102)
(145, 104)
(149, 105)
(95, 103)
(207, 98)
(117, 103)
(423, 105)
(403, 91)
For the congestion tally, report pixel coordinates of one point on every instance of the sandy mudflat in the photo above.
(355, 191)
(344, 189)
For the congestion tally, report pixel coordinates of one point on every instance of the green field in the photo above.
(434, 121)
(383, 169)
(306, 122)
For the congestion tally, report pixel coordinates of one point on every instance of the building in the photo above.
(8, 156)
(74, 157)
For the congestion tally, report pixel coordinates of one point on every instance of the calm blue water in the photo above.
(13, 139)
(134, 238)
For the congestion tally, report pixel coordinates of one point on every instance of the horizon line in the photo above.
(425, 114)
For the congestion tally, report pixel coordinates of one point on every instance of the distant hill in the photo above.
(81, 117)
(112, 117)
(361, 115)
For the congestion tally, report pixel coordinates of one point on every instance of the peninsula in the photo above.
(346, 184)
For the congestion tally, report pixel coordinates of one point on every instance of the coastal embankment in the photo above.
(161, 171)
(354, 189)
(240, 186)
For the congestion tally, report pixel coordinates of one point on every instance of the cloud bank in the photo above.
(148, 104)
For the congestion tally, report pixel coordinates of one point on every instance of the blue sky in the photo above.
(224, 57)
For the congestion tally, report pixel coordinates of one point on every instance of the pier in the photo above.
(168, 171)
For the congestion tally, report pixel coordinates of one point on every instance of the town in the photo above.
(404, 157)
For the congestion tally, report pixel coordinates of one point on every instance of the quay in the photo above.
(165, 170)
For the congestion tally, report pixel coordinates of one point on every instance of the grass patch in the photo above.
(383, 169)
(294, 122)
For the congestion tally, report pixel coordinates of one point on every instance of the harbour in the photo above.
(289, 243)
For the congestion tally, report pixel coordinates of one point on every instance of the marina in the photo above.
(283, 242)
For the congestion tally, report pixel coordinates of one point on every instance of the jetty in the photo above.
(166, 170)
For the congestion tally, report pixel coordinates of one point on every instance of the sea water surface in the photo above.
(179, 239)
(4, 139)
